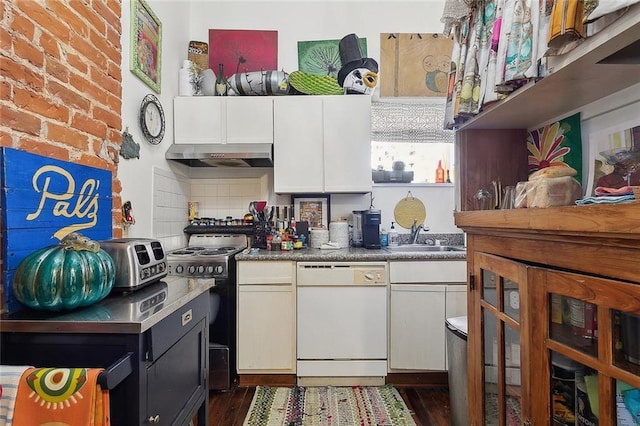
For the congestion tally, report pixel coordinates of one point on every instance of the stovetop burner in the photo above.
(216, 251)
(206, 256)
(186, 252)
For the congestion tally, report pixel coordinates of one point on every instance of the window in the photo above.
(411, 132)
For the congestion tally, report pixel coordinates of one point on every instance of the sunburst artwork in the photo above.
(556, 144)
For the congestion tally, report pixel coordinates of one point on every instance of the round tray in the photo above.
(409, 209)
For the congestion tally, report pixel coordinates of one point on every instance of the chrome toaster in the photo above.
(138, 261)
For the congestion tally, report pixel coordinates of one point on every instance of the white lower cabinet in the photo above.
(266, 317)
(423, 295)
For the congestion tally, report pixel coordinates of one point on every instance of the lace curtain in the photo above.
(410, 122)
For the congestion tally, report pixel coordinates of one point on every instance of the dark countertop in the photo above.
(352, 254)
(119, 313)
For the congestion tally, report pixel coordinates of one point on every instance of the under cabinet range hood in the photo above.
(222, 155)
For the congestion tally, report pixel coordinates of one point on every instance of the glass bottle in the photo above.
(221, 82)
(440, 173)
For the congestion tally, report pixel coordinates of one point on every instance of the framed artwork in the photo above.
(614, 156)
(146, 44)
(242, 51)
(557, 144)
(312, 208)
(322, 57)
(415, 64)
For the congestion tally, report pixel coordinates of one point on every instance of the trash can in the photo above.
(457, 330)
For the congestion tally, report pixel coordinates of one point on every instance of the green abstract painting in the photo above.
(322, 57)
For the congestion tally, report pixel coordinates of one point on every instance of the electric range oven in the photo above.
(211, 255)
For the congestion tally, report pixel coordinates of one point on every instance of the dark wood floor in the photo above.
(429, 406)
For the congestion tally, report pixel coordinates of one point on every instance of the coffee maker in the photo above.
(371, 229)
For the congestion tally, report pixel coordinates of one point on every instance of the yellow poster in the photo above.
(414, 65)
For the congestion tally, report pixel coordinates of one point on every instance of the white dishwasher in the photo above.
(342, 322)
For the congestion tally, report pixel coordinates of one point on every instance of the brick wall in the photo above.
(61, 82)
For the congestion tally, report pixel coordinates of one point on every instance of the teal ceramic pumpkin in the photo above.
(70, 275)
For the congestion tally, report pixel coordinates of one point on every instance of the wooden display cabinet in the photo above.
(520, 262)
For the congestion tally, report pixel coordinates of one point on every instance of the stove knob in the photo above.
(210, 269)
(192, 269)
(200, 269)
(219, 269)
(179, 269)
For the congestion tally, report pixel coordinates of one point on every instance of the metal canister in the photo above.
(583, 318)
(260, 83)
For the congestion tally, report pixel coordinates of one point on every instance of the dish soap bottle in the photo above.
(393, 235)
(221, 82)
(440, 173)
(384, 238)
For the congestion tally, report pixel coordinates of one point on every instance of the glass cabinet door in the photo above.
(500, 284)
(593, 336)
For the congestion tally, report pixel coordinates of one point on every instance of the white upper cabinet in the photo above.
(298, 164)
(249, 119)
(322, 144)
(347, 143)
(198, 119)
(223, 119)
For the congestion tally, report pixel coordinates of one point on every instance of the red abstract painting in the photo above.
(243, 50)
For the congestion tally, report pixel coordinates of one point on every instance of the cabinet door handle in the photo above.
(154, 419)
(187, 317)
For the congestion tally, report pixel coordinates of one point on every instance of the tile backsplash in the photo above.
(170, 215)
(217, 197)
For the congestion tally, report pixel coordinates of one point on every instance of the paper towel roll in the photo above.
(318, 237)
(185, 88)
(339, 233)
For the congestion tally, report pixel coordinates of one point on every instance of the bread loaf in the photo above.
(521, 195)
(553, 172)
(552, 192)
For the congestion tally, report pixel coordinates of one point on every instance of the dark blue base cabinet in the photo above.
(158, 376)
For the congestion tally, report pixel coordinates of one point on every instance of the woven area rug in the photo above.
(328, 405)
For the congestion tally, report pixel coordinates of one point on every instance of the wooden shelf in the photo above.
(577, 79)
(621, 221)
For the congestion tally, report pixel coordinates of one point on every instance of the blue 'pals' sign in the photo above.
(43, 200)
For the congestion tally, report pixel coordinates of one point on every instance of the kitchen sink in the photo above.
(413, 248)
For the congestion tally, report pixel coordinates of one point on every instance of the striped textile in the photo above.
(328, 406)
(9, 379)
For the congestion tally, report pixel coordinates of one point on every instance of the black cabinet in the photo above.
(168, 383)
(176, 382)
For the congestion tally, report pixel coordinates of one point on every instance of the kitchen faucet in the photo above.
(415, 231)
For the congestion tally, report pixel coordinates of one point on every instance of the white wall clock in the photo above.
(152, 120)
